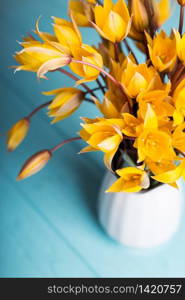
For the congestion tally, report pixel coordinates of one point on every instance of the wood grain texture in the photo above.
(48, 223)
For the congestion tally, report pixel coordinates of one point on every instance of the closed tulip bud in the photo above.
(181, 2)
(17, 134)
(65, 102)
(140, 16)
(34, 164)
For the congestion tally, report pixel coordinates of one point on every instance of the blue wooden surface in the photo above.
(48, 223)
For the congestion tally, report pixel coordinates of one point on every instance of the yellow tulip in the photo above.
(140, 19)
(112, 21)
(44, 36)
(67, 33)
(162, 11)
(132, 125)
(138, 78)
(34, 164)
(17, 134)
(180, 45)
(161, 167)
(87, 54)
(172, 175)
(161, 103)
(107, 108)
(42, 57)
(178, 137)
(66, 101)
(104, 135)
(82, 11)
(153, 143)
(131, 180)
(162, 50)
(113, 104)
(178, 98)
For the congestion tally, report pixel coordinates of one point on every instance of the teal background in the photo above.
(48, 223)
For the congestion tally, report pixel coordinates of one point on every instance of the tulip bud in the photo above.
(66, 101)
(17, 134)
(34, 164)
(140, 16)
(181, 2)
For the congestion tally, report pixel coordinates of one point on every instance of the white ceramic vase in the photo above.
(140, 220)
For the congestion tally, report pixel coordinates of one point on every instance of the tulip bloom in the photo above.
(140, 18)
(180, 45)
(162, 50)
(131, 180)
(42, 57)
(87, 54)
(66, 101)
(138, 78)
(178, 137)
(104, 135)
(112, 21)
(178, 98)
(17, 134)
(154, 143)
(34, 164)
(132, 125)
(82, 11)
(172, 175)
(67, 33)
(161, 103)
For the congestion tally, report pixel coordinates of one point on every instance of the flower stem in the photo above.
(89, 100)
(116, 50)
(97, 68)
(63, 143)
(76, 79)
(101, 87)
(117, 83)
(181, 19)
(37, 109)
(150, 11)
(96, 89)
(130, 50)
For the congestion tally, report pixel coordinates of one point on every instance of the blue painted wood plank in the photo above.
(30, 246)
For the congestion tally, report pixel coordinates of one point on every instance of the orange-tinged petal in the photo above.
(170, 176)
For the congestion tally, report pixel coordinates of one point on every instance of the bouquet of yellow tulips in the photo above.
(141, 127)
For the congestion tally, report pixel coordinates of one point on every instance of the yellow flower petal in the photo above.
(151, 121)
